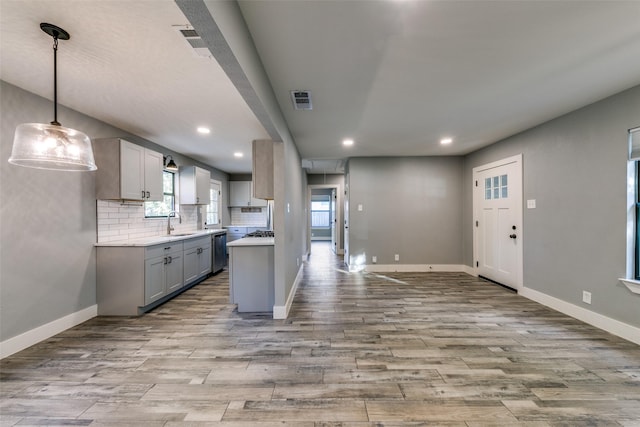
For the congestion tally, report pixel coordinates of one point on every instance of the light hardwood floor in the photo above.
(357, 350)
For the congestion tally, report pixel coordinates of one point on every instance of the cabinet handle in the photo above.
(170, 259)
(143, 194)
(165, 260)
(148, 195)
(167, 248)
(197, 199)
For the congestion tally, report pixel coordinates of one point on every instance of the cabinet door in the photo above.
(239, 193)
(173, 272)
(202, 186)
(205, 261)
(257, 202)
(191, 265)
(153, 176)
(131, 171)
(154, 279)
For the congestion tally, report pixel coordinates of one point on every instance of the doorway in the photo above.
(497, 216)
(324, 216)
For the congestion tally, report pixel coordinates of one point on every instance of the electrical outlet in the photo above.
(374, 259)
(397, 257)
(586, 297)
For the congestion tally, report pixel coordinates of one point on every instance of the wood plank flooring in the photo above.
(398, 349)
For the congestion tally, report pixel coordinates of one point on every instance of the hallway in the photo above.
(358, 349)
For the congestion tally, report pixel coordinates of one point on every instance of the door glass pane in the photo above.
(504, 192)
(496, 181)
(496, 193)
(487, 194)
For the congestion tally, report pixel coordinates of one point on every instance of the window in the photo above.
(633, 206)
(496, 187)
(213, 208)
(320, 213)
(162, 209)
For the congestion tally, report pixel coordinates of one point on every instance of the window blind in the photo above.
(634, 144)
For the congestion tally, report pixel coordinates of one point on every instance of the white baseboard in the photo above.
(415, 268)
(282, 311)
(41, 333)
(613, 326)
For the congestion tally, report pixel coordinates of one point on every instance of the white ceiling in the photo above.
(396, 76)
(127, 64)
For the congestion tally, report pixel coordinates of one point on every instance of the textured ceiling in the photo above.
(127, 64)
(396, 76)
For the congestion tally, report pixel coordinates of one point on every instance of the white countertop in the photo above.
(159, 240)
(252, 241)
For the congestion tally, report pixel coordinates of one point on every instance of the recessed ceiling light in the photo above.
(203, 130)
(238, 154)
(347, 142)
(445, 141)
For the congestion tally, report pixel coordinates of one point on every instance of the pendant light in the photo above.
(52, 146)
(170, 165)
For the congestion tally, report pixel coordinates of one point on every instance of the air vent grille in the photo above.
(198, 46)
(301, 99)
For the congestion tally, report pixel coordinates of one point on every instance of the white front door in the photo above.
(497, 207)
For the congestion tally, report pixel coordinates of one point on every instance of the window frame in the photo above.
(171, 194)
(213, 182)
(328, 210)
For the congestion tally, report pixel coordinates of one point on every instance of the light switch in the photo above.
(360, 207)
(531, 204)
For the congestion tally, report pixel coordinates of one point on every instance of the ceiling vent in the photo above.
(196, 43)
(301, 99)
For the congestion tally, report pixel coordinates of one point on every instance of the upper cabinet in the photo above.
(240, 195)
(127, 171)
(194, 186)
(262, 151)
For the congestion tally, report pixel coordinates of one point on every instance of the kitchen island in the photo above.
(251, 274)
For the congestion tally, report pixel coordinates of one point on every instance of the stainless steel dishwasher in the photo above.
(219, 252)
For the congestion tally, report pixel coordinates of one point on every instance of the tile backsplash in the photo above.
(121, 221)
(249, 219)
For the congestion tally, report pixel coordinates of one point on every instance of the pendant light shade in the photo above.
(47, 146)
(52, 146)
(170, 165)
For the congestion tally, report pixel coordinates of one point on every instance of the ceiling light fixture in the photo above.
(203, 130)
(347, 142)
(171, 165)
(238, 154)
(445, 141)
(52, 146)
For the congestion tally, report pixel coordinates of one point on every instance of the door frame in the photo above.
(477, 193)
(338, 218)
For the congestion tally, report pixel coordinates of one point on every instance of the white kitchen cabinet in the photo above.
(197, 258)
(194, 186)
(240, 195)
(127, 171)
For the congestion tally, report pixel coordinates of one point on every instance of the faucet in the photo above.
(169, 227)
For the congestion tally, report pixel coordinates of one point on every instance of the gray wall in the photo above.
(575, 167)
(48, 221)
(234, 49)
(412, 206)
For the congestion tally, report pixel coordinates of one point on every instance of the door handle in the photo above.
(513, 236)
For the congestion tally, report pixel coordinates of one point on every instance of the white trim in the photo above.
(470, 270)
(282, 311)
(632, 285)
(605, 323)
(415, 268)
(41, 333)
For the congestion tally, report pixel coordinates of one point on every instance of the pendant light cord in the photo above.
(55, 81)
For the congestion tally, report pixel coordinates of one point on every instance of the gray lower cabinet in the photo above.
(163, 274)
(197, 258)
(131, 279)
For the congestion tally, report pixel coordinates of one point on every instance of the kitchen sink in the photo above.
(182, 234)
